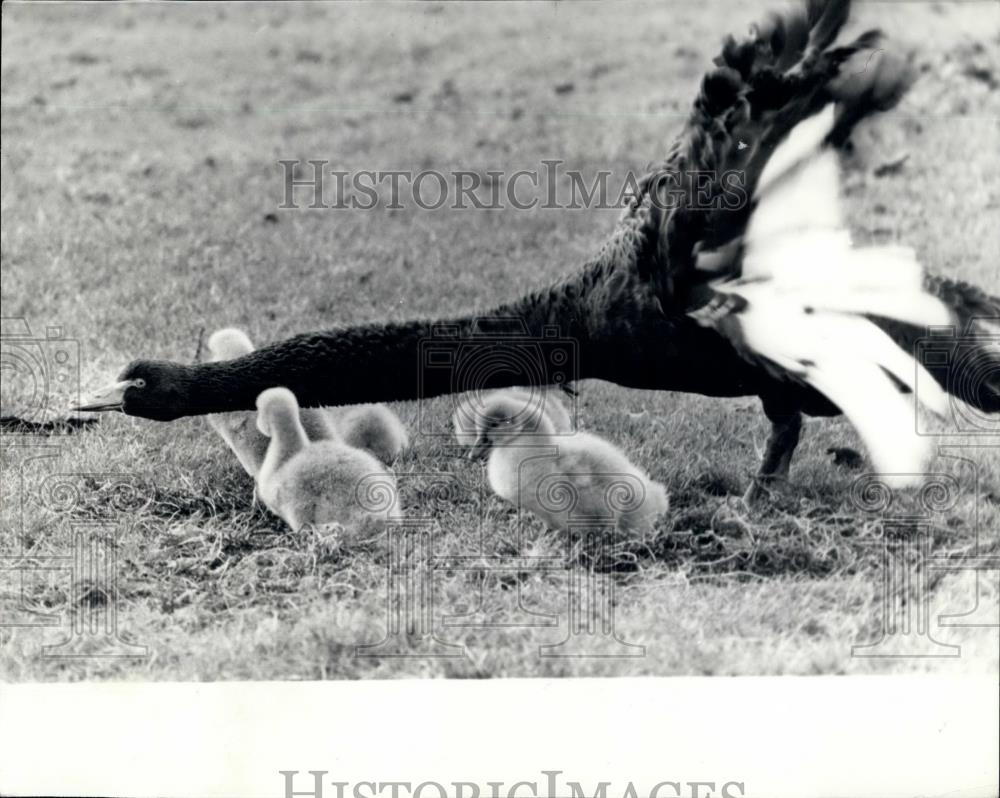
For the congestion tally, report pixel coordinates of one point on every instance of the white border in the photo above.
(780, 736)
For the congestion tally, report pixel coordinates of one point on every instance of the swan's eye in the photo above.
(139, 383)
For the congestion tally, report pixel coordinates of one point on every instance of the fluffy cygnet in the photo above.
(239, 430)
(470, 407)
(588, 479)
(375, 428)
(322, 482)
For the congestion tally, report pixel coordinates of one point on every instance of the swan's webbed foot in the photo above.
(786, 427)
(761, 489)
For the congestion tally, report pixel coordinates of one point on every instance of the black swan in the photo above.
(678, 299)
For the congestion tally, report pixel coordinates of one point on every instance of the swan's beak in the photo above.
(479, 449)
(110, 397)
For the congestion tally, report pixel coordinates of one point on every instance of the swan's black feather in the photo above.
(762, 87)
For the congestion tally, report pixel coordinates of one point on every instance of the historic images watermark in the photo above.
(416, 628)
(84, 569)
(87, 513)
(907, 627)
(315, 184)
(550, 783)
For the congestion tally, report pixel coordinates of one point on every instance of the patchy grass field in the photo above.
(139, 200)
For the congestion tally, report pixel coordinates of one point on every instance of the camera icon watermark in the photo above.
(967, 366)
(497, 353)
(40, 373)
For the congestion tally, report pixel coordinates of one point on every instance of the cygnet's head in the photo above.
(277, 411)
(229, 344)
(470, 409)
(502, 419)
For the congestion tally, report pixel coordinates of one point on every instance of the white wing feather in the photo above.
(807, 290)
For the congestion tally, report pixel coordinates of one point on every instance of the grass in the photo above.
(139, 203)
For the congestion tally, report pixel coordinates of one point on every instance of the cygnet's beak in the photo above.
(479, 449)
(110, 397)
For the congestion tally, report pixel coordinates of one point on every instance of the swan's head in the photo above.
(502, 419)
(154, 389)
(229, 344)
(277, 412)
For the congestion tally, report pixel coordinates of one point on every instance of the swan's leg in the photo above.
(786, 426)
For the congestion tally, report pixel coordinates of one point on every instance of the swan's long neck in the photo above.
(368, 363)
(402, 361)
(607, 323)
